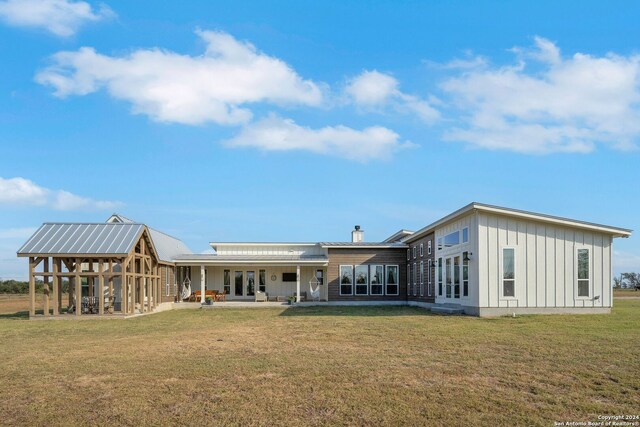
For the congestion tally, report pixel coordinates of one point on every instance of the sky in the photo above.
(296, 120)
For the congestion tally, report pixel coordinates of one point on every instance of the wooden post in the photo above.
(32, 287)
(45, 290)
(123, 286)
(203, 285)
(78, 286)
(57, 287)
(100, 288)
(90, 280)
(111, 284)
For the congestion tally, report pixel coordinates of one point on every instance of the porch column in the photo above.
(45, 291)
(101, 287)
(297, 283)
(56, 287)
(202, 284)
(32, 287)
(78, 286)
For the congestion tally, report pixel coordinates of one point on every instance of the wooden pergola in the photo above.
(126, 282)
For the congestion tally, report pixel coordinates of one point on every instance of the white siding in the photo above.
(545, 263)
(267, 249)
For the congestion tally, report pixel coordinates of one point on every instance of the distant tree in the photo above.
(630, 280)
(617, 282)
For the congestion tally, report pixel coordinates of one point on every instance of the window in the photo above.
(362, 279)
(262, 281)
(439, 243)
(421, 278)
(508, 273)
(251, 283)
(452, 239)
(440, 277)
(429, 247)
(421, 249)
(346, 280)
(320, 277)
(465, 274)
(414, 252)
(239, 279)
(429, 265)
(583, 273)
(456, 277)
(408, 279)
(227, 282)
(465, 235)
(392, 280)
(447, 278)
(408, 254)
(377, 279)
(415, 279)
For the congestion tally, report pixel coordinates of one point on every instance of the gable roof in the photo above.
(83, 239)
(557, 220)
(398, 236)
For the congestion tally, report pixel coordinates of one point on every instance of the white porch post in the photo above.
(297, 283)
(202, 284)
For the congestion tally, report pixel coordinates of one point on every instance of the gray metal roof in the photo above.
(167, 247)
(83, 238)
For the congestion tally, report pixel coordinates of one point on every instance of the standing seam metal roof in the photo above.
(96, 238)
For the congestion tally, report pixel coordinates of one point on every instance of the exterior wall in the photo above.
(545, 264)
(167, 276)
(365, 256)
(215, 280)
(423, 292)
(469, 222)
(269, 249)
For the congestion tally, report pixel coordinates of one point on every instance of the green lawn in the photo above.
(320, 366)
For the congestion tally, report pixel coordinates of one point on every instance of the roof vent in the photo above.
(357, 235)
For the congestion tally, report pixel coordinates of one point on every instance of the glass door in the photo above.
(251, 283)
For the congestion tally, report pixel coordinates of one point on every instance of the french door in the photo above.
(452, 277)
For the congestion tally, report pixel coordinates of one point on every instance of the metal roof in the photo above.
(363, 245)
(167, 247)
(256, 259)
(398, 236)
(83, 238)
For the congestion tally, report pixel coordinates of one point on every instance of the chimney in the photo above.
(357, 235)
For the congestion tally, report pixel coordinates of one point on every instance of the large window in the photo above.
(448, 277)
(465, 235)
(227, 282)
(465, 274)
(429, 266)
(421, 277)
(583, 273)
(508, 273)
(251, 283)
(262, 281)
(239, 279)
(377, 279)
(439, 277)
(392, 280)
(408, 279)
(362, 279)
(456, 277)
(452, 239)
(346, 280)
(415, 279)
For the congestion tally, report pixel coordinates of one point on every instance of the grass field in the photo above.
(320, 366)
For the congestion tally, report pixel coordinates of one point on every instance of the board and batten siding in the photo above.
(366, 256)
(545, 264)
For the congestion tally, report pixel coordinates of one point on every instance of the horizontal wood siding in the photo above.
(338, 257)
(167, 275)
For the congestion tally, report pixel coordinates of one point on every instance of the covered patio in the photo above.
(105, 269)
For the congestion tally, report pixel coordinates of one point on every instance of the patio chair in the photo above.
(261, 296)
(315, 293)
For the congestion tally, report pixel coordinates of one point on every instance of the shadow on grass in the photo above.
(359, 311)
(18, 315)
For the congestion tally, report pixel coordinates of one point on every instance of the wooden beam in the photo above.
(100, 289)
(78, 287)
(57, 291)
(32, 287)
(45, 290)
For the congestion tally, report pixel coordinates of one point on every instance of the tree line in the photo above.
(627, 281)
(21, 287)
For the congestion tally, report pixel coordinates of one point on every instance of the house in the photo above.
(480, 260)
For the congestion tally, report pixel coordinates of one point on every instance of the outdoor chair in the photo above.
(261, 296)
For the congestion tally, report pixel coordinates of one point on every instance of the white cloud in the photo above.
(546, 103)
(373, 90)
(20, 191)
(60, 17)
(17, 233)
(170, 87)
(278, 134)
(625, 262)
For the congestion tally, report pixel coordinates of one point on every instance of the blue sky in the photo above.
(242, 121)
